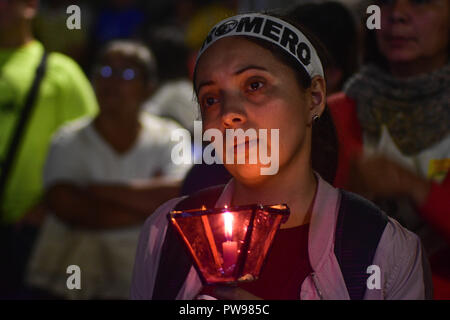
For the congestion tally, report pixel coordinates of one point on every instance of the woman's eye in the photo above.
(255, 85)
(209, 101)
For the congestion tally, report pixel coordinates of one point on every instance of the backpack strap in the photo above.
(19, 131)
(359, 227)
(174, 255)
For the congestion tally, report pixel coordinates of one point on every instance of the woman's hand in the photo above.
(378, 176)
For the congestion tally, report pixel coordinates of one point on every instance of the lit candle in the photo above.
(229, 247)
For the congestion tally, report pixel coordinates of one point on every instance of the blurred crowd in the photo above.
(86, 158)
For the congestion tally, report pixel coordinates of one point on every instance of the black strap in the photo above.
(175, 262)
(20, 127)
(359, 227)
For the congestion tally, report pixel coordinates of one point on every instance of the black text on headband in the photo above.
(270, 29)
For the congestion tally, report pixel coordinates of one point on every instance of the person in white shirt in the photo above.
(103, 177)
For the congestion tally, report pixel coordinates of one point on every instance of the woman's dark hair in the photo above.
(324, 145)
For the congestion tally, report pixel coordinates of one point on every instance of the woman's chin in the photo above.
(248, 174)
(400, 56)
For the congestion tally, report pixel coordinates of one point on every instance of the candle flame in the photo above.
(228, 219)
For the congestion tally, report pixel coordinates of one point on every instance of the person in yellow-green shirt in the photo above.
(64, 94)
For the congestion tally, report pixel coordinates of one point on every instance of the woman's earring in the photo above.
(315, 118)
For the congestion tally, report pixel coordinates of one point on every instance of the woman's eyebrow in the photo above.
(204, 83)
(242, 70)
(250, 67)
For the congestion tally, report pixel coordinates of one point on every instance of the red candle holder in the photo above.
(229, 245)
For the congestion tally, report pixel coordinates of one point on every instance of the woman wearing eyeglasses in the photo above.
(102, 176)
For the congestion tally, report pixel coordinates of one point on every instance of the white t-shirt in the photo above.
(79, 155)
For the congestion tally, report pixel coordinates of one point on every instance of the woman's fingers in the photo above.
(381, 177)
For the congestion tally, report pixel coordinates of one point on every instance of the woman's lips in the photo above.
(246, 144)
(246, 148)
(399, 41)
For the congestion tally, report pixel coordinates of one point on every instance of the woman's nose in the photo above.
(233, 111)
(399, 11)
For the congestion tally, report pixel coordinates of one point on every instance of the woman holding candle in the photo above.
(258, 71)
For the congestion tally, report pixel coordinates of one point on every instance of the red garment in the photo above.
(440, 266)
(343, 111)
(436, 209)
(286, 267)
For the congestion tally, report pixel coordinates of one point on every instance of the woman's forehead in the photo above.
(231, 54)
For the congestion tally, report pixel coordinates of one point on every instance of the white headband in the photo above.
(271, 29)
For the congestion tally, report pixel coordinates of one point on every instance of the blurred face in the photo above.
(120, 85)
(13, 11)
(242, 85)
(414, 30)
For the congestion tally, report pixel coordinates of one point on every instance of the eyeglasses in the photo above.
(107, 72)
